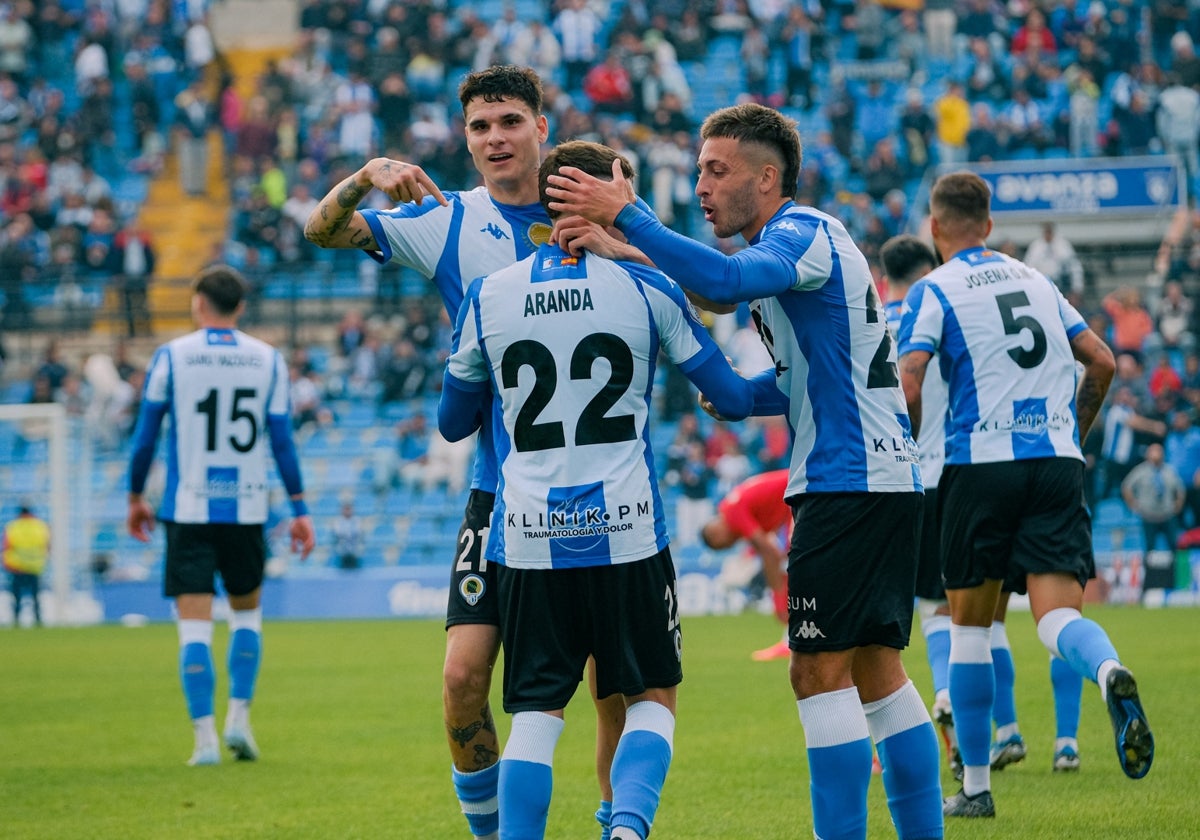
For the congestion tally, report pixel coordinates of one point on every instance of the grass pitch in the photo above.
(94, 739)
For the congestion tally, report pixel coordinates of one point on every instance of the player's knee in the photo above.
(466, 681)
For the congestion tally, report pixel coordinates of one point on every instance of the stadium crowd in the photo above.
(93, 95)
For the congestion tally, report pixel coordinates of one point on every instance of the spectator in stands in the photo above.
(403, 373)
(1121, 451)
(1182, 451)
(26, 547)
(1131, 322)
(1131, 131)
(348, 537)
(1156, 494)
(1084, 113)
(883, 172)
(952, 116)
(917, 130)
(940, 20)
(134, 261)
(1178, 123)
(16, 43)
(1023, 123)
(1164, 378)
(305, 395)
(876, 119)
(193, 118)
(91, 63)
(609, 86)
(1034, 38)
(907, 42)
(1054, 255)
(694, 478)
(17, 267)
(1130, 374)
(1185, 64)
(403, 464)
(1173, 320)
(145, 113)
(985, 141)
(1191, 380)
(254, 137)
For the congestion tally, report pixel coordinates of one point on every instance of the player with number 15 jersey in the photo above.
(227, 396)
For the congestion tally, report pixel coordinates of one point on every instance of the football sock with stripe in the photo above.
(477, 796)
(972, 690)
(640, 765)
(839, 762)
(1004, 705)
(908, 751)
(1080, 641)
(1068, 691)
(526, 775)
(196, 670)
(936, 629)
(245, 655)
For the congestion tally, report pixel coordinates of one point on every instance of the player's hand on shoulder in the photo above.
(575, 234)
(403, 182)
(304, 536)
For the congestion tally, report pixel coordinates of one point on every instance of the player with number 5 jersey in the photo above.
(1011, 504)
(1004, 331)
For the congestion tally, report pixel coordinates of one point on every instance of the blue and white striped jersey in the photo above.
(472, 237)
(931, 442)
(569, 347)
(816, 307)
(225, 394)
(1003, 332)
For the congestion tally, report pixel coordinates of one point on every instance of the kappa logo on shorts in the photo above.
(808, 630)
(472, 588)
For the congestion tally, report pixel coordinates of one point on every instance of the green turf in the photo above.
(94, 737)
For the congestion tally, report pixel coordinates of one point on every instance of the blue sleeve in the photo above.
(284, 450)
(462, 406)
(729, 393)
(768, 399)
(145, 436)
(750, 274)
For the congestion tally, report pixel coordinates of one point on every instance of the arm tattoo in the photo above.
(337, 218)
(349, 194)
(1087, 405)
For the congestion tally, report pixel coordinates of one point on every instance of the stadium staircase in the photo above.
(187, 230)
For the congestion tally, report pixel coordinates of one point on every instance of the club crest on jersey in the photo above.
(538, 234)
(471, 588)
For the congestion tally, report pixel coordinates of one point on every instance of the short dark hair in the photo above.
(223, 286)
(593, 158)
(754, 123)
(906, 259)
(961, 201)
(502, 81)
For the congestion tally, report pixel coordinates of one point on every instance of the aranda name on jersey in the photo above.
(562, 300)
